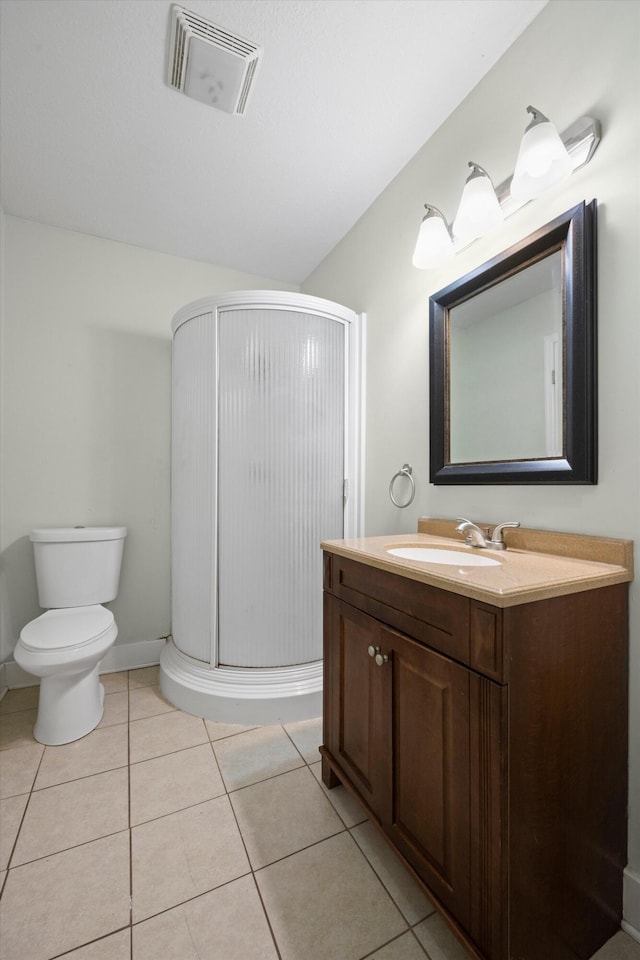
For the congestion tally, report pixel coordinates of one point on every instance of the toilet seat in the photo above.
(69, 628)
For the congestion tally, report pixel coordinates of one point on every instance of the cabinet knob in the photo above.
(374, 652)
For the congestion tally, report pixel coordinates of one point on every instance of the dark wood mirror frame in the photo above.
(574, 235)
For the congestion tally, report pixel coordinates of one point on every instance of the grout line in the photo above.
(24, 813)
(171, 813)
(89, 943)
(86, 776)
(254, 783)
(183, 903)
(373, 952)
(308, 846)
(253, 874)
(75, 846)
(281, 773)
(266, 915)
(385, 886)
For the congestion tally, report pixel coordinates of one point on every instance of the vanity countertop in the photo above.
(573, 563)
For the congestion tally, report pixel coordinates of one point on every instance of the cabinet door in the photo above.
(356, 731)
(430, 810)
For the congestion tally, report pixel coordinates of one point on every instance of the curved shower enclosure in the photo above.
(266, 463)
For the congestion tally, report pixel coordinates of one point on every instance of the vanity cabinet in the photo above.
(489, 746)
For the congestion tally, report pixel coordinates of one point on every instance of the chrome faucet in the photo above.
(475, 537)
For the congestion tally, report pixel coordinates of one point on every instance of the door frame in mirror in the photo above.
(574, 235)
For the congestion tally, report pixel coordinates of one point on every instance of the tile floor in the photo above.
(161, 836)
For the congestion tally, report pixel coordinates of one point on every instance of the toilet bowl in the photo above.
(77, 569)
(64, 648)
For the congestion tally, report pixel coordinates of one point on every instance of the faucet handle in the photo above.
(497, 537)
(463, 520)
(465, 524)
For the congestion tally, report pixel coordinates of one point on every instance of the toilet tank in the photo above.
(77, 566)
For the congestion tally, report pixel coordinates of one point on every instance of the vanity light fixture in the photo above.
(545, 158)
(479, 211)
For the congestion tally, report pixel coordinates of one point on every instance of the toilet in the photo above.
(77, 570)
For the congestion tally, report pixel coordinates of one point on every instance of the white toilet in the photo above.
(77, 569)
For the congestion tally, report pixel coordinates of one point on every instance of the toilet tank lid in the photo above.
(75, 534)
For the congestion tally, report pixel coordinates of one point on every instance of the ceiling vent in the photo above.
(209, 63)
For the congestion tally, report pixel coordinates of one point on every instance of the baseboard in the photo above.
(631, 904)
(122, 656)
(129, 656)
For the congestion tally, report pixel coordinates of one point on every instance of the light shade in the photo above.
(434, 243)
(479, 211)
(543, 159)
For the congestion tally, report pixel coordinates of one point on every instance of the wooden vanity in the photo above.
(479, 714)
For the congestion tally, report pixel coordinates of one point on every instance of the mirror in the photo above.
(513, 363)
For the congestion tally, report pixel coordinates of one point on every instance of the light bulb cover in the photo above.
(543, 160)
(479, 211)
(434, 244)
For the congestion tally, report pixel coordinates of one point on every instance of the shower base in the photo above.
(247, 695)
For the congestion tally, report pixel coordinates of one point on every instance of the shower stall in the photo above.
(266, 462)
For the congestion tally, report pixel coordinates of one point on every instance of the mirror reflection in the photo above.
(505, 369)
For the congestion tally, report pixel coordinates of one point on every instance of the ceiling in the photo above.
(94, 140)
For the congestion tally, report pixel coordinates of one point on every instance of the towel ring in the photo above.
(404, 471)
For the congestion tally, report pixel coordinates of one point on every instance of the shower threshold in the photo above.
(247, 695)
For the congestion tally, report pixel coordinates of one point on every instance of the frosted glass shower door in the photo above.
(281, 443)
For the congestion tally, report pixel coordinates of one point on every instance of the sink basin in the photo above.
(454, 558)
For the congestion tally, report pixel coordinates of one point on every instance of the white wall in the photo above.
(86, 407)
(578, 57)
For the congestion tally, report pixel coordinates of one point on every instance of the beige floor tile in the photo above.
(72, 813)
(174, 782)
(620, 947)
(115, 682)
(143, 676)
(183, 855)
(405, 947)
(157, 736)
(226, 924)
(16, 729)
(347, 808)
(307, 736)
(11, 811)
(116, 709)
(117, 946)
(406, 893)
(18, 768)
(39, 911)
(217, 730)
(282, 815)
(255, 755)
(24, 698)
(147, 702)
(305, 893)
(105, 748)
(437, 939)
